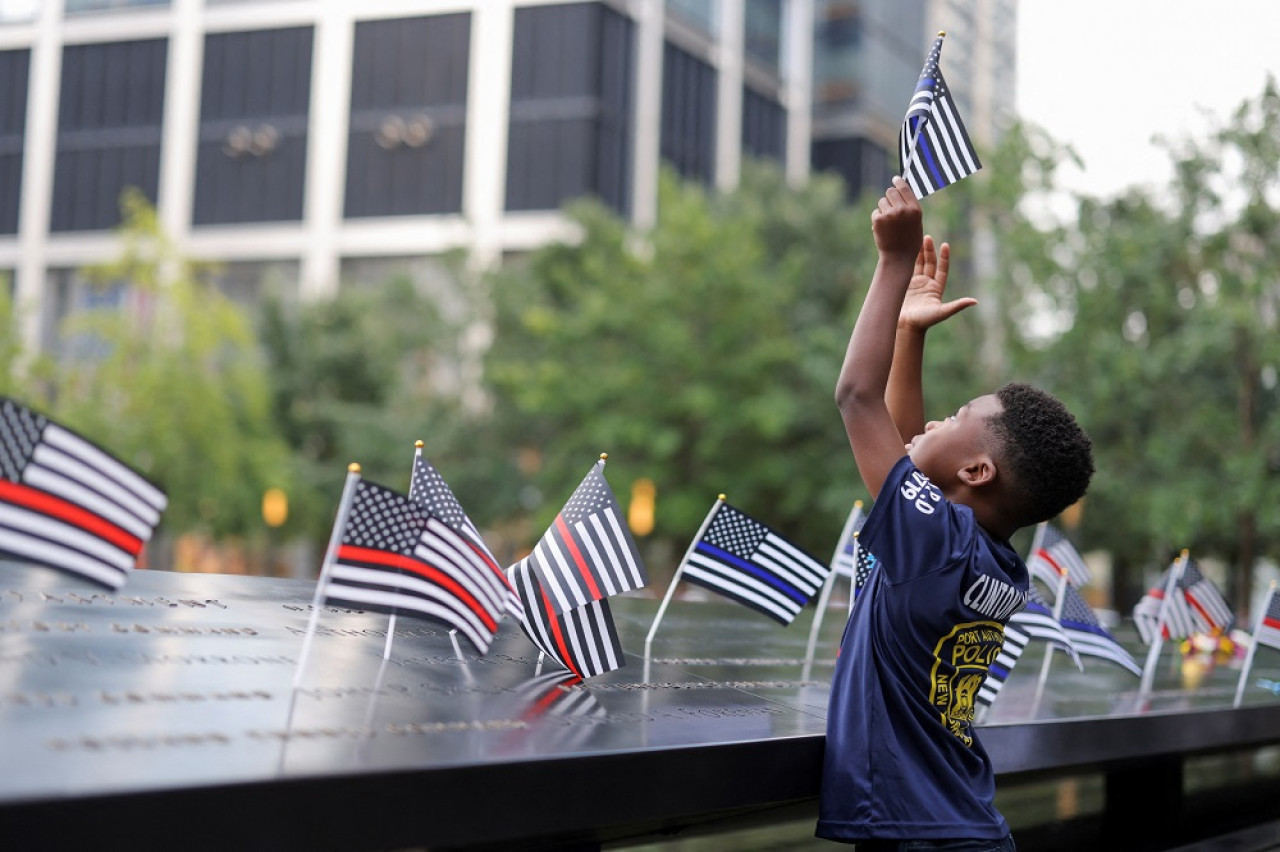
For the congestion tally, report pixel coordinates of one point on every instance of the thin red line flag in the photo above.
(69, 504)
(396, 556)
(587, 553)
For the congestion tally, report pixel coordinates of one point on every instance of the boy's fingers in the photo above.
(944, 261)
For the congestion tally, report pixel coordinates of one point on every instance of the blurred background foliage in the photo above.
(702, 356)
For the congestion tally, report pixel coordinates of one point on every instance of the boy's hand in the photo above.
(923, 306)
(896, 221)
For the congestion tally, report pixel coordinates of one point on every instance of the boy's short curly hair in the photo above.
(1049, 457)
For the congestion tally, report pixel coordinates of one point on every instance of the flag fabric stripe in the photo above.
(377, 589)
(70, 504)
(76, 518)
(49, 542)
(590, 523)
(744, 589)
(933, 146)
(1056, 551)
(746, 561)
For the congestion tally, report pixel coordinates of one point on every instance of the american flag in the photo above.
(1035, 621)
(587, 553)
(1268, 632)
(743, 559)
(845, 562)
(1056, 557)
(866, 561)
(67, 503)
(396, 556)
(933, 145)
(583, 640)
(428, 488)
(1088, 636)
(1207, 604)
(1180, 618)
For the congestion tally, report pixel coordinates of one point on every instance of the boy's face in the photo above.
(951, 444)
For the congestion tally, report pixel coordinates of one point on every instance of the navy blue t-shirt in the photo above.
(902, 761)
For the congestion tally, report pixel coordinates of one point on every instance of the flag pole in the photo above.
(1253, 646)
(1060, 594)
(1157, 640)
(675, 579)
(322, 584)
(825, 595)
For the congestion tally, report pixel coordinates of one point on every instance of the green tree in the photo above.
(172, 383)
(1174, 354)
(702, 356)
(361, 376)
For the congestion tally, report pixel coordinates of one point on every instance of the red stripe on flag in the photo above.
(576, 555)
(413, 565)
(555, 631)
(63, 510)
(1044, 555)
(546, 701)
(1273, 623)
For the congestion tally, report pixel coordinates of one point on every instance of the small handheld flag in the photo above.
(933, 145)
(1054, 556)
(67, 503)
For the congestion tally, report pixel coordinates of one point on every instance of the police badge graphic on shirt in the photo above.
(963, 657)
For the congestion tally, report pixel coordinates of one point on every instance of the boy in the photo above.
(902, 762)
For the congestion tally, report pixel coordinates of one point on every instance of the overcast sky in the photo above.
(1106, 75)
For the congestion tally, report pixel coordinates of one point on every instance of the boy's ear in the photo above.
(981, 470)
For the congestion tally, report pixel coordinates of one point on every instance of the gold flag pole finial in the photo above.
(942, 33)
(418, 444)
(604, 457)
(353, 468)
(722, 497)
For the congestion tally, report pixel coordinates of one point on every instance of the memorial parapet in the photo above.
(165, 714)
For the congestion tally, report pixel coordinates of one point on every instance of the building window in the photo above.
(77, 6)
(110, 113)
(699, 14)
(14, 65)
(764, 126)
(406, 148)
(251, 163)
(248, 283)
(572, 90)
(688, 136)
(69, 293)
(762, 39)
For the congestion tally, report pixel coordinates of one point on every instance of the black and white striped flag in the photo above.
(933, 145)
(67, 503)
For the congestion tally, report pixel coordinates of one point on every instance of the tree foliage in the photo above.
(703, 357)
(172, 382)
(1173, 354)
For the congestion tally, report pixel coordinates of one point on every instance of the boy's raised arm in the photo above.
(860, 391)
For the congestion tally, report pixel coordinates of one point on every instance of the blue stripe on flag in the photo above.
(748, 568)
